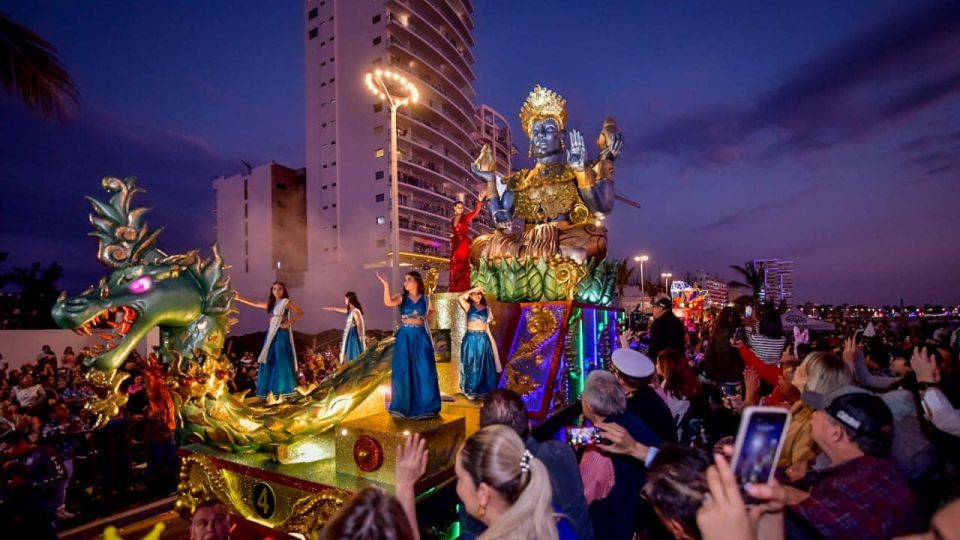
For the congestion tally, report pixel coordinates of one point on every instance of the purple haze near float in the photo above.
(821, 132)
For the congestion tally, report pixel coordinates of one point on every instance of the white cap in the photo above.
(632, 363)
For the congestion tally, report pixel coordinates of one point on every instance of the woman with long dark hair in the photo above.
(352, 345)
(722, 363)
(680, 384)
(414, 386)
(769, 340)
(460, 244)
(277, 376)
(479, 362)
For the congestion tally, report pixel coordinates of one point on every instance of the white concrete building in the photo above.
(347, 186)
(777, 280)
(261, 228)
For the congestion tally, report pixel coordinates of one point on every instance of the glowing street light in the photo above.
(397, 90)
(641, 259)
(666, 281)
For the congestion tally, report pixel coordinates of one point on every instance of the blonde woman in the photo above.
(819, 372)
(506, 488)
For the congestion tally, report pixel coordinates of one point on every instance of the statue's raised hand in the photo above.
(576, 154)
(485, 166)
(613, 150)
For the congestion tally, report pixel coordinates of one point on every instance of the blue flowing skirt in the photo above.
(353, 346)
(277, 374)
(478, 371)
(416, 392)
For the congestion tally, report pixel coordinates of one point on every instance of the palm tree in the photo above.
(623, 276)
(31, 70)
(751, 278)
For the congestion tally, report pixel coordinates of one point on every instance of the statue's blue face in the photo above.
(546, 138)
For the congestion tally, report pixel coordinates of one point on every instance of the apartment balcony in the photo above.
(418, 145)
(420, 186)
(445, 49)
(432, 60)
(440, 15)
(456, 24)
(448, 186)
(422, 126)
(463, 110)
(441, 214)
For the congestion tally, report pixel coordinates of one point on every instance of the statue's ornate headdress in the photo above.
(543, 103)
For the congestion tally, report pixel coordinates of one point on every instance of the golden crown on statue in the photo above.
(543, 103)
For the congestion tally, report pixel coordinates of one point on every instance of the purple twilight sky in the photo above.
(824, 132)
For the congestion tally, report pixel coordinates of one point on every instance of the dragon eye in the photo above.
(141, 285)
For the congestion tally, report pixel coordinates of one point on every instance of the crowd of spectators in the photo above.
(872, 450)
(57, 470)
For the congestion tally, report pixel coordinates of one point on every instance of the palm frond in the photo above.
(31, 70)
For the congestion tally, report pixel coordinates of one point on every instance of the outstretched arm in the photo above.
(251, 303)
(336, 309)
(389, 301)
(469, 216)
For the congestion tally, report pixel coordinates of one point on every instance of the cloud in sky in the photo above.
(49, 168)
(848, 91)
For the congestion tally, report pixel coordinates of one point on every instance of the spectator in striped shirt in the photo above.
(769, 340)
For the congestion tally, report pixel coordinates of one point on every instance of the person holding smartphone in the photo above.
(861, 494)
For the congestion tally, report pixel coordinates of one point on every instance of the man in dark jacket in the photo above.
(635, 371)
(612, 482)
(666, 331)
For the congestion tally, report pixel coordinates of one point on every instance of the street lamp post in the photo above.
(666, 282)
(377, 83)
(641, 259)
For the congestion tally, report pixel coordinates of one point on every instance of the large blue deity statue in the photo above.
(561, 200)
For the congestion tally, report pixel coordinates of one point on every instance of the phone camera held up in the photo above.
(740, 334)
(638, 321)
(582, 436)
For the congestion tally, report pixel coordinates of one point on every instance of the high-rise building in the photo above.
(348, 140)
(494, 130)
(347, 136)
(261, 228)
(777, 280)
(717, 291)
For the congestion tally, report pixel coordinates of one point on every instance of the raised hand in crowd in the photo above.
(725, 515)
(850, 350)
(925, 366)
(411, 465)
(619, 441)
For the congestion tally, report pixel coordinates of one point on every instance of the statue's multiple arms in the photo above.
(597, 194)
(501, 207)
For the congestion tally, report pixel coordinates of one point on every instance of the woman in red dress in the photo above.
(460, 245)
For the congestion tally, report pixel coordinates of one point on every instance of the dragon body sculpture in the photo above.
(190, 300)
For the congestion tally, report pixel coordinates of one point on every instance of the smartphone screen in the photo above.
(740, 334)
(759, 441)
(582, 436)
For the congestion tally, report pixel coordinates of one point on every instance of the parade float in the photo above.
(291, 466)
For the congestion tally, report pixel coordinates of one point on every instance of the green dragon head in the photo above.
(188, 298)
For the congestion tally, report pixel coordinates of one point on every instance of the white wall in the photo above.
(22, 346)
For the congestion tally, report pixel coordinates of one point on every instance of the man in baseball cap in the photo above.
(666, 332)
(635, 371)
(861, 494)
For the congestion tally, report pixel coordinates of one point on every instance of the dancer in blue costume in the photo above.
(414, 385)
(479, 361)
(277, 374)
(353, 343)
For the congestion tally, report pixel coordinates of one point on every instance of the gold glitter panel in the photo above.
(444, 435)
